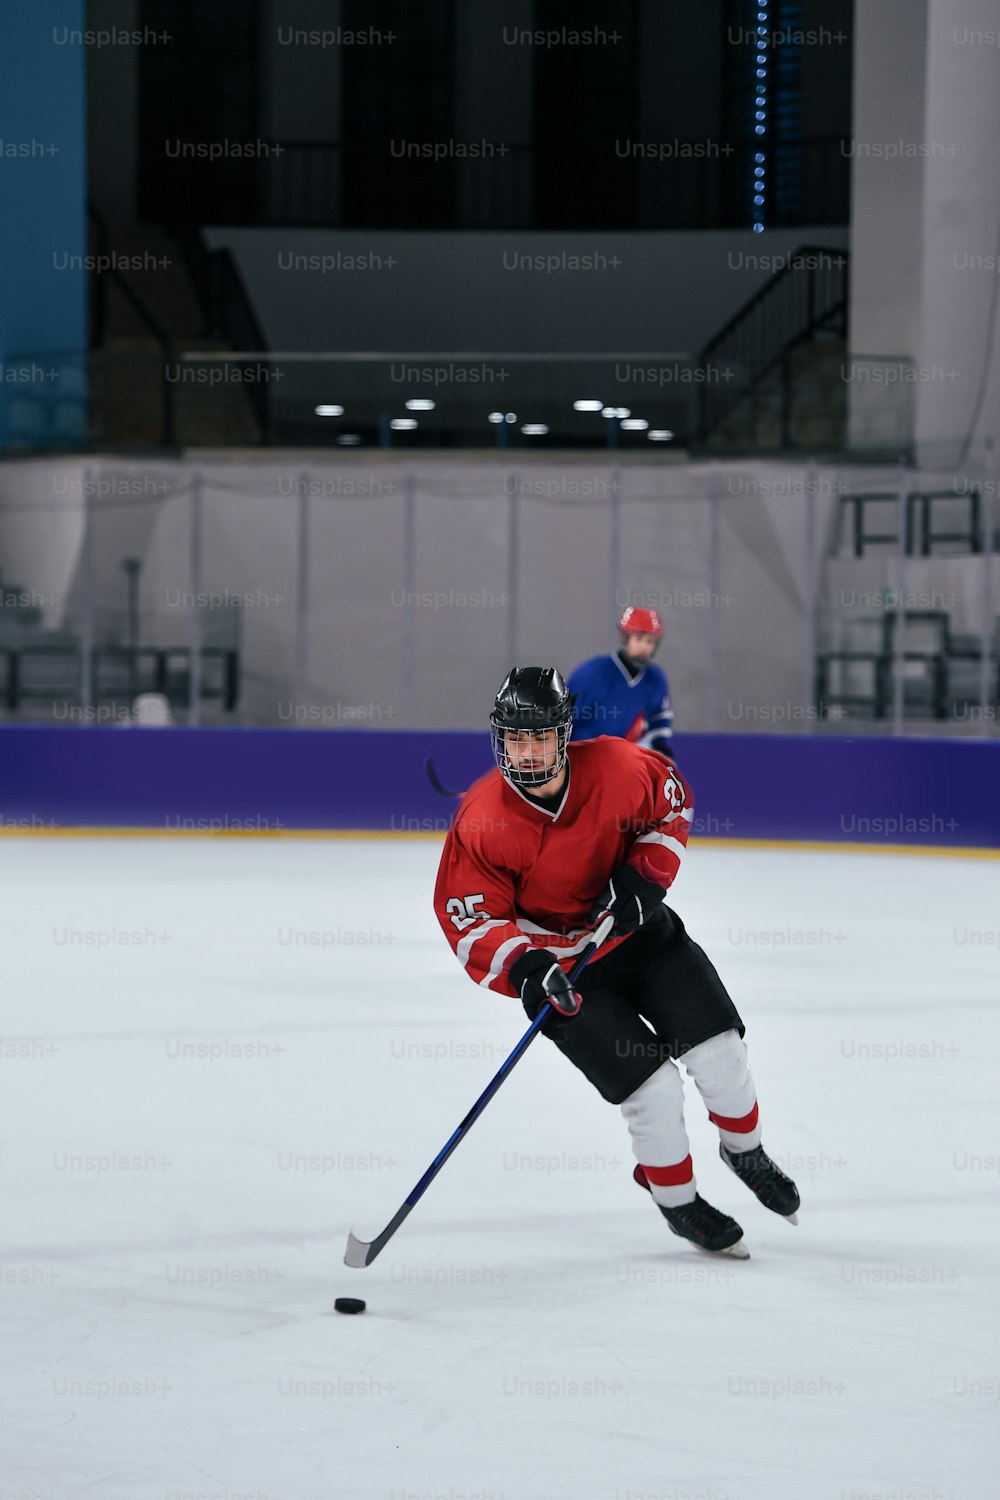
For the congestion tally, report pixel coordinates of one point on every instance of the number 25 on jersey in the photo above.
(463, 912)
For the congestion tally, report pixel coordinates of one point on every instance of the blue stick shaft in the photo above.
(470, 1119)
(480, 1104)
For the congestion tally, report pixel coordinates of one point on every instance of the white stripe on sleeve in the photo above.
(499, 957)
(570, 951)
(662, 838)
(465, 946)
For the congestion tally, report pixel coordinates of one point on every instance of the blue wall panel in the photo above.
(929, 792)
(43, 226)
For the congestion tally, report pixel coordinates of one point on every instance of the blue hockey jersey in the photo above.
(610, 701)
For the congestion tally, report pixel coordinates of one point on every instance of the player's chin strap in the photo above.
(361, 1253)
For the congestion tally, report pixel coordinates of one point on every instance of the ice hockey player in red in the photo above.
(538, 849)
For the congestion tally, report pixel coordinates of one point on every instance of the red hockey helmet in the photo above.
(640, 622)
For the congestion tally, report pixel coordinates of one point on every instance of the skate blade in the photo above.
(790, 1218)
(738, 1251)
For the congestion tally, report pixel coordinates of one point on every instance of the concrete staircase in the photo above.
(135, 377)
(817, 408)
(781, 357)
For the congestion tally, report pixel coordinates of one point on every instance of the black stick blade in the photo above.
(437, 783)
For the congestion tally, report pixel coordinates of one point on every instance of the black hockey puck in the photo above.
(349, 1305)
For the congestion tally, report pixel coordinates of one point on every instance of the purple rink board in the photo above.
(871, 791)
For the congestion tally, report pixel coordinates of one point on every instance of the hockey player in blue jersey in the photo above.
(626, 694)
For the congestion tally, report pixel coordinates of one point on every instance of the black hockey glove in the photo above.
(630, 898)
(537, 977)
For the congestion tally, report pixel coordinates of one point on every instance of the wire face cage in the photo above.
(530, 757)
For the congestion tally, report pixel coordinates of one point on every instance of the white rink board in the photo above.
(534, 1329)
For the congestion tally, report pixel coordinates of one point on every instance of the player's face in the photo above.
(641, 647)
(533, 750)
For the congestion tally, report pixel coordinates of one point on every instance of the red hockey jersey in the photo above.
(513, 874)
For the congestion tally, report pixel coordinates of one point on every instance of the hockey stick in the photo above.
(437, 783)
(361, 1253)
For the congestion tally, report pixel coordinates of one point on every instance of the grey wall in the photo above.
(961, 230)
(886, 195)
(453, 291)
(426, 578)
(925, 237)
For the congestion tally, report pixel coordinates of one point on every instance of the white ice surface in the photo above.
(534, 1329)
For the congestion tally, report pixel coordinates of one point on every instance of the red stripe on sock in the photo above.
(740, 1125)
(665, 1176)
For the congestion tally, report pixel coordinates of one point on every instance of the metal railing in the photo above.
(55, 674)
(807, 294)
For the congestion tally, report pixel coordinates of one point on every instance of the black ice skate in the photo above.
(702, 1224)
(776, 1191)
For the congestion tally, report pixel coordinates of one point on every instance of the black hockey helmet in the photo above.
(531, 699)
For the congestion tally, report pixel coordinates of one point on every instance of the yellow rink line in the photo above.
(944, 851)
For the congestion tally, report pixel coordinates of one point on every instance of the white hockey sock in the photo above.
(655, 1118)
(721, 1073)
